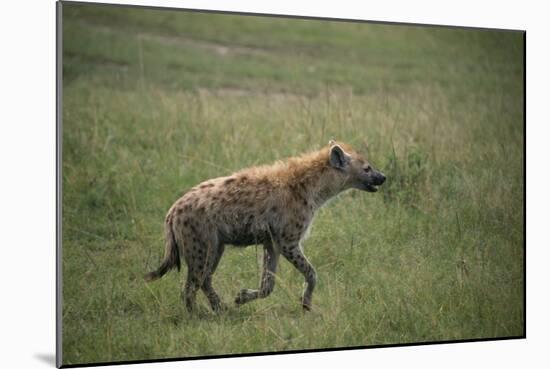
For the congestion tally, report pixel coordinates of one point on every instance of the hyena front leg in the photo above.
(294, 254)
(271, 257)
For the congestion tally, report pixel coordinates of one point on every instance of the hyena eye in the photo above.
(368, 168)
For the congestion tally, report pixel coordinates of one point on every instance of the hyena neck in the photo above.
(328, 185)
(315, 180)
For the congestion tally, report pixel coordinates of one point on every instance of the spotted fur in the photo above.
(272, 205)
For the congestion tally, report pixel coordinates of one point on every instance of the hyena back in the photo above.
(270, 205)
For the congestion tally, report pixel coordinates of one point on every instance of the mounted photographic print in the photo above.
(238, 184)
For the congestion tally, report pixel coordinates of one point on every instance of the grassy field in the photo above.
(154, 102)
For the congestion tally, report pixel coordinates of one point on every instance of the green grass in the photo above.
(155, 102)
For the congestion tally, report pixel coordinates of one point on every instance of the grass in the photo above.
(155, 102)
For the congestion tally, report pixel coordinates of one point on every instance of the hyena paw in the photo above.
(220, 308)
(246, 295)
(306, 305)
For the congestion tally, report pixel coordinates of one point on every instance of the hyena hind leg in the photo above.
(267, 284)
(212, 296)
(189, 292)
(206, 287)
(202, 256)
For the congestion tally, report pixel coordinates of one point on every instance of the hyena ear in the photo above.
(337, 157)
(331, 143)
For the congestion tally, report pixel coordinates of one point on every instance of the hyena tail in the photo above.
(171, 255)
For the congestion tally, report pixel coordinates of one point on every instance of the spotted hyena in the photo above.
(272, 205)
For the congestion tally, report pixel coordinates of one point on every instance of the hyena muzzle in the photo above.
(272, 205)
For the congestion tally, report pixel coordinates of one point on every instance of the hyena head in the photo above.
(356, 170)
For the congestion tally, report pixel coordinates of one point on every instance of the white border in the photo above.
(27, 203)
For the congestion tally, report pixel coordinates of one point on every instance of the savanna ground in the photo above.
(155, 102)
